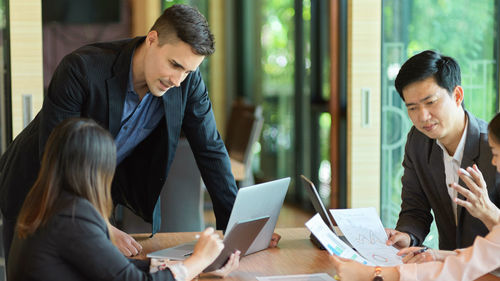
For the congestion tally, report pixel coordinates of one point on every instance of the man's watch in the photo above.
(377, 276)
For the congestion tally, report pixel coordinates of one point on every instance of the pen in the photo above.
(419, 251)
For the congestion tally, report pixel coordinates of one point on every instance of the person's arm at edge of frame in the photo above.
(350, 270)
(477, 201)
(468, 264)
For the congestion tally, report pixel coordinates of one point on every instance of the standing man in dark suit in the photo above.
(443, 139)
(144, 91)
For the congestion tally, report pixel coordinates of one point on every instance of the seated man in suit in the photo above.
(143, 91)
(444, 137)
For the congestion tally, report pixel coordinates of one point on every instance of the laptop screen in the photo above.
(317, 204)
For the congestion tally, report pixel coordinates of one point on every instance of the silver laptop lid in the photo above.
(256, 201)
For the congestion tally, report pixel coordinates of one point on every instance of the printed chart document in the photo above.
(363, 229)
(330, 241)
(301, 277)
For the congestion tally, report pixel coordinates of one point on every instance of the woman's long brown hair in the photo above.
(79, 157)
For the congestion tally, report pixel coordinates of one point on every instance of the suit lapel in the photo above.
(172, 101)
(117, 85)
(470, 155)
(116, 99)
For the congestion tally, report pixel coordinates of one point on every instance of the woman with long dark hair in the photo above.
(62, 229)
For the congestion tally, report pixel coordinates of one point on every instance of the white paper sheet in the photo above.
(301, 277)
(363, 229)
(330, 241)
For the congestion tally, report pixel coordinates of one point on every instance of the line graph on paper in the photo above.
(367, 236)
(363, 229)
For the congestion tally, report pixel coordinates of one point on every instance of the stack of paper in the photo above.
(330, 241)
(363, 229)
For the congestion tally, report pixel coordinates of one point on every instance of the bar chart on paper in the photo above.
(364, 230)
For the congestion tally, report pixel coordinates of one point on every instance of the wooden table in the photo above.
(295, 254)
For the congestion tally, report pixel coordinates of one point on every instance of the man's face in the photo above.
(431, 108)
(495, 152)
(167, 66)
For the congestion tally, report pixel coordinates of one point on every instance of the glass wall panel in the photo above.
(294, 94)
(277, 67)
(4, 53)
(463, 29)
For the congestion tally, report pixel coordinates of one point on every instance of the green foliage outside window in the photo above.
(466, 31)
(277, 66)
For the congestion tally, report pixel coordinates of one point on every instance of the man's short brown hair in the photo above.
(188, 25)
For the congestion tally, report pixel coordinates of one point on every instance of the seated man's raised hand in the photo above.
(397, 239)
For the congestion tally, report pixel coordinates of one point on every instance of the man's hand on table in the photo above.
(124, 242)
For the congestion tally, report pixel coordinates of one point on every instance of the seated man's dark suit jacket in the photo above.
(92, 82)
(74, 245)
(424, 187)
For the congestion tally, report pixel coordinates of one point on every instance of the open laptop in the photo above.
(251, 202)
(265, 199)
(322, 211)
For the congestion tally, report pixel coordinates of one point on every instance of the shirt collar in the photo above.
(130, 85)
(459, 152)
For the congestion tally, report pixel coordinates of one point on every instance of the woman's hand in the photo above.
(232, 264)
(412, 255)
(206, 250)
(208, 247)
(477, 201)
(350, 270)
(124, 242)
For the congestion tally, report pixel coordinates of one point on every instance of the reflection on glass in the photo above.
(325, 172)
(410, 27)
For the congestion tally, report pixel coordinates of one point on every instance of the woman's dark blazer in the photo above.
(74, 245)
(92, 82)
